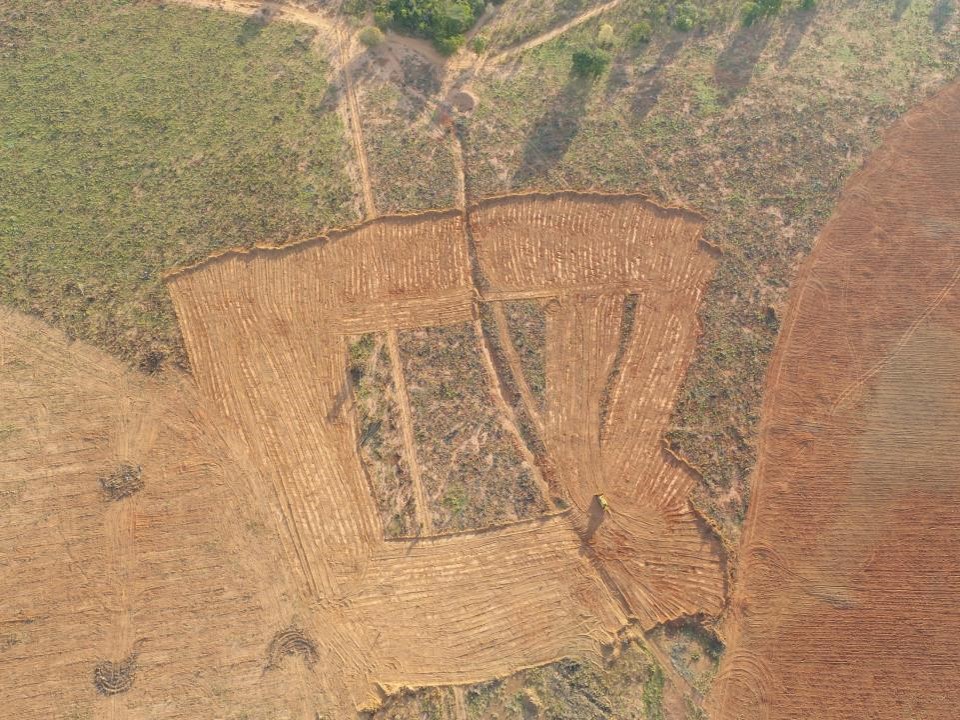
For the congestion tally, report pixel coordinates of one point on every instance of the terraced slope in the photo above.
(239, 500)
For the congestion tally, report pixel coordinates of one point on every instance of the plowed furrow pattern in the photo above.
(847, 604)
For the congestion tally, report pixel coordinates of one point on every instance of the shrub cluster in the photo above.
(443, 21)
(760, 9)
(590, 62)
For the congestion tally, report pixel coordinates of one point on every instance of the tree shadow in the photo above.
(798, 30)
(735, 64)
(651, 83)
(254, 24)
(900, 7)
(941, 13)
(553, 131)
(330, 100)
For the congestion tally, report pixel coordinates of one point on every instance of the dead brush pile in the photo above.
(124, 482)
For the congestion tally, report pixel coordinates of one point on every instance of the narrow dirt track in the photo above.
(410, 449)
(274, 10)
(546, 37)
(847, 602)
(356, 126)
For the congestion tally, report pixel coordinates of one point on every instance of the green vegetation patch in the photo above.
(445, 22)
(380, 434)
(136, 137)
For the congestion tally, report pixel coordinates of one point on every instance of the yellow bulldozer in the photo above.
(602, 502)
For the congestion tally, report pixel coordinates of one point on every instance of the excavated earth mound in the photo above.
(257, 535)
(847, 607)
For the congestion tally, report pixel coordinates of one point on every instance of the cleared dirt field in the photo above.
(848, 601)
(183, 549)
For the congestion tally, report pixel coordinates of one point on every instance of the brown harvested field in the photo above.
(160, 603)
(215, 546)
(847, 606)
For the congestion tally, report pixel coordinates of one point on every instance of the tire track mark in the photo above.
(422, 509)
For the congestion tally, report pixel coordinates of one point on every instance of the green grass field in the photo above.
(134, 138)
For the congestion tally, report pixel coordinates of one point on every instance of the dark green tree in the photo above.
(590, 62)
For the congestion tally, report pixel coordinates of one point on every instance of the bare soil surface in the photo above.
(277, 484)
(847, 603)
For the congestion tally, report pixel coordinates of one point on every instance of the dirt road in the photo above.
(546, 37)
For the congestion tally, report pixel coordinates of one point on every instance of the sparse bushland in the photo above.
(472, 469)
(397, 130)
(137, 137)
(379, 435)
(694, 651)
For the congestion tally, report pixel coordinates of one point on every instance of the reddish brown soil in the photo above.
(847, 603)
(242, 566)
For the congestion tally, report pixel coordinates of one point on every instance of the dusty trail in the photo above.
(355, 124)
(422, 514)
(459, 704)
(533, 42)
(273, 10)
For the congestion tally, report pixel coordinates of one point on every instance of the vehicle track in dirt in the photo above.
(537, 41)
(421, 510)
(354, 122)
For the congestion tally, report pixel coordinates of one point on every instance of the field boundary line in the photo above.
(336, 234)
